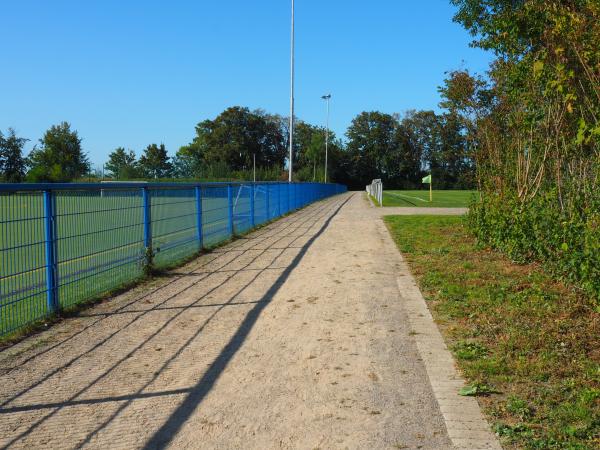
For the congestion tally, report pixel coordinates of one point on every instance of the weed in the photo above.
(469, 350)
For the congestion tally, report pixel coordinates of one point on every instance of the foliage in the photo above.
(154, 162)
(59, 158)
(378, 148)
(233, 139)
(402, 151)
(122, 164)
(441, 144)
(514, 330)
(12, 163)
(534, 130)
(566, 240)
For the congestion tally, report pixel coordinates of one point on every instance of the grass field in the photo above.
(100, 242)
(446, 199)
(527, 344)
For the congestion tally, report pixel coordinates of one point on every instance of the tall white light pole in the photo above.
(291, 96)
(326, 98)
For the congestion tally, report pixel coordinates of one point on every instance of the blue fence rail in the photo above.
(63, 244)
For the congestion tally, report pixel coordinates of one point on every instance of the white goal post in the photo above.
(375, 189)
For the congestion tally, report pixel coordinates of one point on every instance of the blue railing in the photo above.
(62, 244)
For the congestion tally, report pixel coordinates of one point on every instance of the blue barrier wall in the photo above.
(63, 244)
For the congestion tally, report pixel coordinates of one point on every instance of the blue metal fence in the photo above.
(63, 244)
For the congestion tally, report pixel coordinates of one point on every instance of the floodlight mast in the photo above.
(291, 98)
(326, 98)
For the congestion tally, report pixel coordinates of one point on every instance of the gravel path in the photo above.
(294, 336)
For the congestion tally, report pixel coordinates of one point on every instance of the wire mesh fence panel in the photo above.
(215, 215)
(173, 225)
(22, 262)
(292, 191)
(98, 243)
(242, 208)
(273, 190)
(64, 244)
(285, 198)
(260, 204)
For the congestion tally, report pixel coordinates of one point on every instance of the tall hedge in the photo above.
(533, 125)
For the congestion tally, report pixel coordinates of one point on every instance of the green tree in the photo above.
(233, 138)
(122, 164)
(309, 151)
(154, 163)
(441, 144)
(371, 138)
(59, 158)
(314, 154)
(424, 129)
(183, 166)
(12, 163)
(379, 147)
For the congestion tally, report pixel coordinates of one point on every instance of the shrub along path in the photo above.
(295, 336)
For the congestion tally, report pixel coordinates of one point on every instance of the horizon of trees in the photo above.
(399, 150)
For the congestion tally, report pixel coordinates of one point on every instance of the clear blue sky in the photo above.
(129, 73)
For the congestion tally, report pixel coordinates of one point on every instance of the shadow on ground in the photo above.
(87, 384)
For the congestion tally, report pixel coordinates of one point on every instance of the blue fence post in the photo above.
(146, 206)
(252, 220)
(230, 209)
(198, 190)
(279, 199)
(50, 247)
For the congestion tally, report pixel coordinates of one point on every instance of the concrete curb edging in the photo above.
(467, 428)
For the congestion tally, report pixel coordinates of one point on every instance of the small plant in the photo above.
(470, 350)
(519, 408)
(477, 390)
(148, 262)
(512, 431)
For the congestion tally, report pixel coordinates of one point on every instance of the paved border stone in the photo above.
(466, 426)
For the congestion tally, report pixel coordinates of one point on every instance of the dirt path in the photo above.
(293, 337)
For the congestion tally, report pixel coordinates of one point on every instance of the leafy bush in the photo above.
(565, 241)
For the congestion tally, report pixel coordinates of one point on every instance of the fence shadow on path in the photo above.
(29, 410)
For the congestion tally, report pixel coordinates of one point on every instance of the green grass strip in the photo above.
(529, 343)
(441, 199)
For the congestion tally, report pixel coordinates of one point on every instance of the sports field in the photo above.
(442, 199)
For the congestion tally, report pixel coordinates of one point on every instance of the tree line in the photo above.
(59, 157)
(399, 150)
